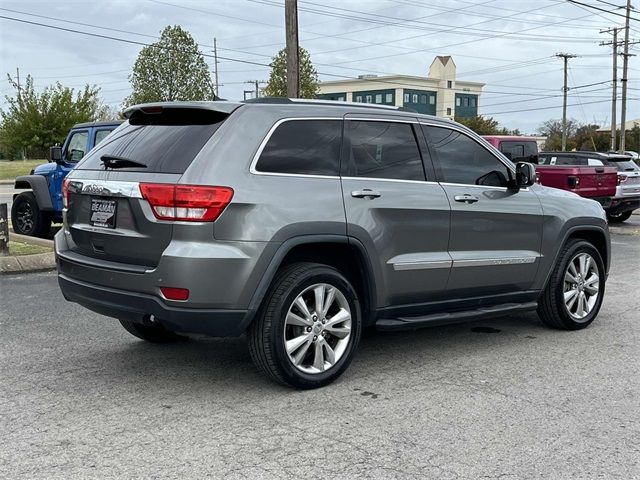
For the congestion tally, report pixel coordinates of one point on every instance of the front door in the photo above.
(400, 217)
(496, 232)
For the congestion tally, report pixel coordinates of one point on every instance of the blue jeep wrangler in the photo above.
(34, 210)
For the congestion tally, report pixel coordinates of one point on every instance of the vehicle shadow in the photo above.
(206, 364)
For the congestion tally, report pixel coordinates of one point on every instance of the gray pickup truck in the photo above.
(302, 222)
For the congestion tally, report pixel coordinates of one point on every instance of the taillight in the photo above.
(186, 203)
(621, 179)
(573, 182)
(65, 193)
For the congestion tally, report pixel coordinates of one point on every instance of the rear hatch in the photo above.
(115, 195)
(589, 182)
(628, 174)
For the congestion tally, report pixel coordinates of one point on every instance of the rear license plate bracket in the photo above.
(103, 213)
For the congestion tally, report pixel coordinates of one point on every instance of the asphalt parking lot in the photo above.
(499, 398)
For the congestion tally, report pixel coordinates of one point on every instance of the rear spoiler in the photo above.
(179, 113)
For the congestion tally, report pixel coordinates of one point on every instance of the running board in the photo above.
(434, 319)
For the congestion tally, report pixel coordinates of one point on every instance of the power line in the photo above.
(575, 2)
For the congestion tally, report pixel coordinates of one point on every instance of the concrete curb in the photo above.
(43, 242)
(7, 182)
(28, 263)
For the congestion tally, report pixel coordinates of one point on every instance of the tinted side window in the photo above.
(308, 147)
(463, 160)
(77, 146)
(101, 135)
(521, 151)
(383, 150)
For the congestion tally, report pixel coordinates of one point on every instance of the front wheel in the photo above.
(27, 218)
(309, 327)
(618, 217)
(573, 295)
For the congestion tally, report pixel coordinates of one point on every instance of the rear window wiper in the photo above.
(111, 161)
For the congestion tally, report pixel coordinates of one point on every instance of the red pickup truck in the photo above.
(596, 182)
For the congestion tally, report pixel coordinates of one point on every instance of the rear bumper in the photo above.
(137, 307)
(621, 205)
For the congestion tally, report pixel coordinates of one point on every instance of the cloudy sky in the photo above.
(507, 44)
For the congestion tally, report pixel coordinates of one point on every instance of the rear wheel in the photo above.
(309, 328)
(151, 333)
(27, 218)
(618, 217)
(573, 296)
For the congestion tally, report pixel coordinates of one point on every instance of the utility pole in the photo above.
(565, 89)
(625, 65)
(614, 95)
(256, 84)
(18, 82)
(215, 63)
(293, 66)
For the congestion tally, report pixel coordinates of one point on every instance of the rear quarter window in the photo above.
(303, 147)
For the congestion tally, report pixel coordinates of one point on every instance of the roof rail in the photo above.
(314, 101)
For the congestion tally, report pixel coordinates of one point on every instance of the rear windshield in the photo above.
(521, 151)
(624, 165)
(162, 148)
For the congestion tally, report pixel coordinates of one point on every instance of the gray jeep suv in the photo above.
(300, 223)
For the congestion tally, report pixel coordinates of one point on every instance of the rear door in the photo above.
(397, 211)
(107, 217)
(496, 233)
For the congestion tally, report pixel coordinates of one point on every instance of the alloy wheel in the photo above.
(317, 328)
(581, 286)
(24, 217)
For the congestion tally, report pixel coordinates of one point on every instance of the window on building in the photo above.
(423, 99)
(432, 99)
(406, 98)
(473, 101)
(449, 84)
(414, 98)
(383, 150)
(342, 99)
(308, 147)
(367, 99)
(448, 111)
(460, 159)
(388, 98)
(359, 98)
(378, 98)
(465, 101)
(457, 101)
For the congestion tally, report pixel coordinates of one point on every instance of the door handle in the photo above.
(365, 193)
(466, 198)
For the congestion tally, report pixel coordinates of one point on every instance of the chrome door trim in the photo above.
(428, 265)
(493, 262)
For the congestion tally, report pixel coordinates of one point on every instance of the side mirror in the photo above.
(525, 174)
(55, 154)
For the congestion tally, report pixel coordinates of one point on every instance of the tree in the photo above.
(588, 138)
(277, 85)
(485, 126)
(172, 68)
(552, 129)
(34, 121)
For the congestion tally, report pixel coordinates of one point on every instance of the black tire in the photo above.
(27, 218)
(151, 333)
(267, 333)
(619, 217)
(551, 307)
